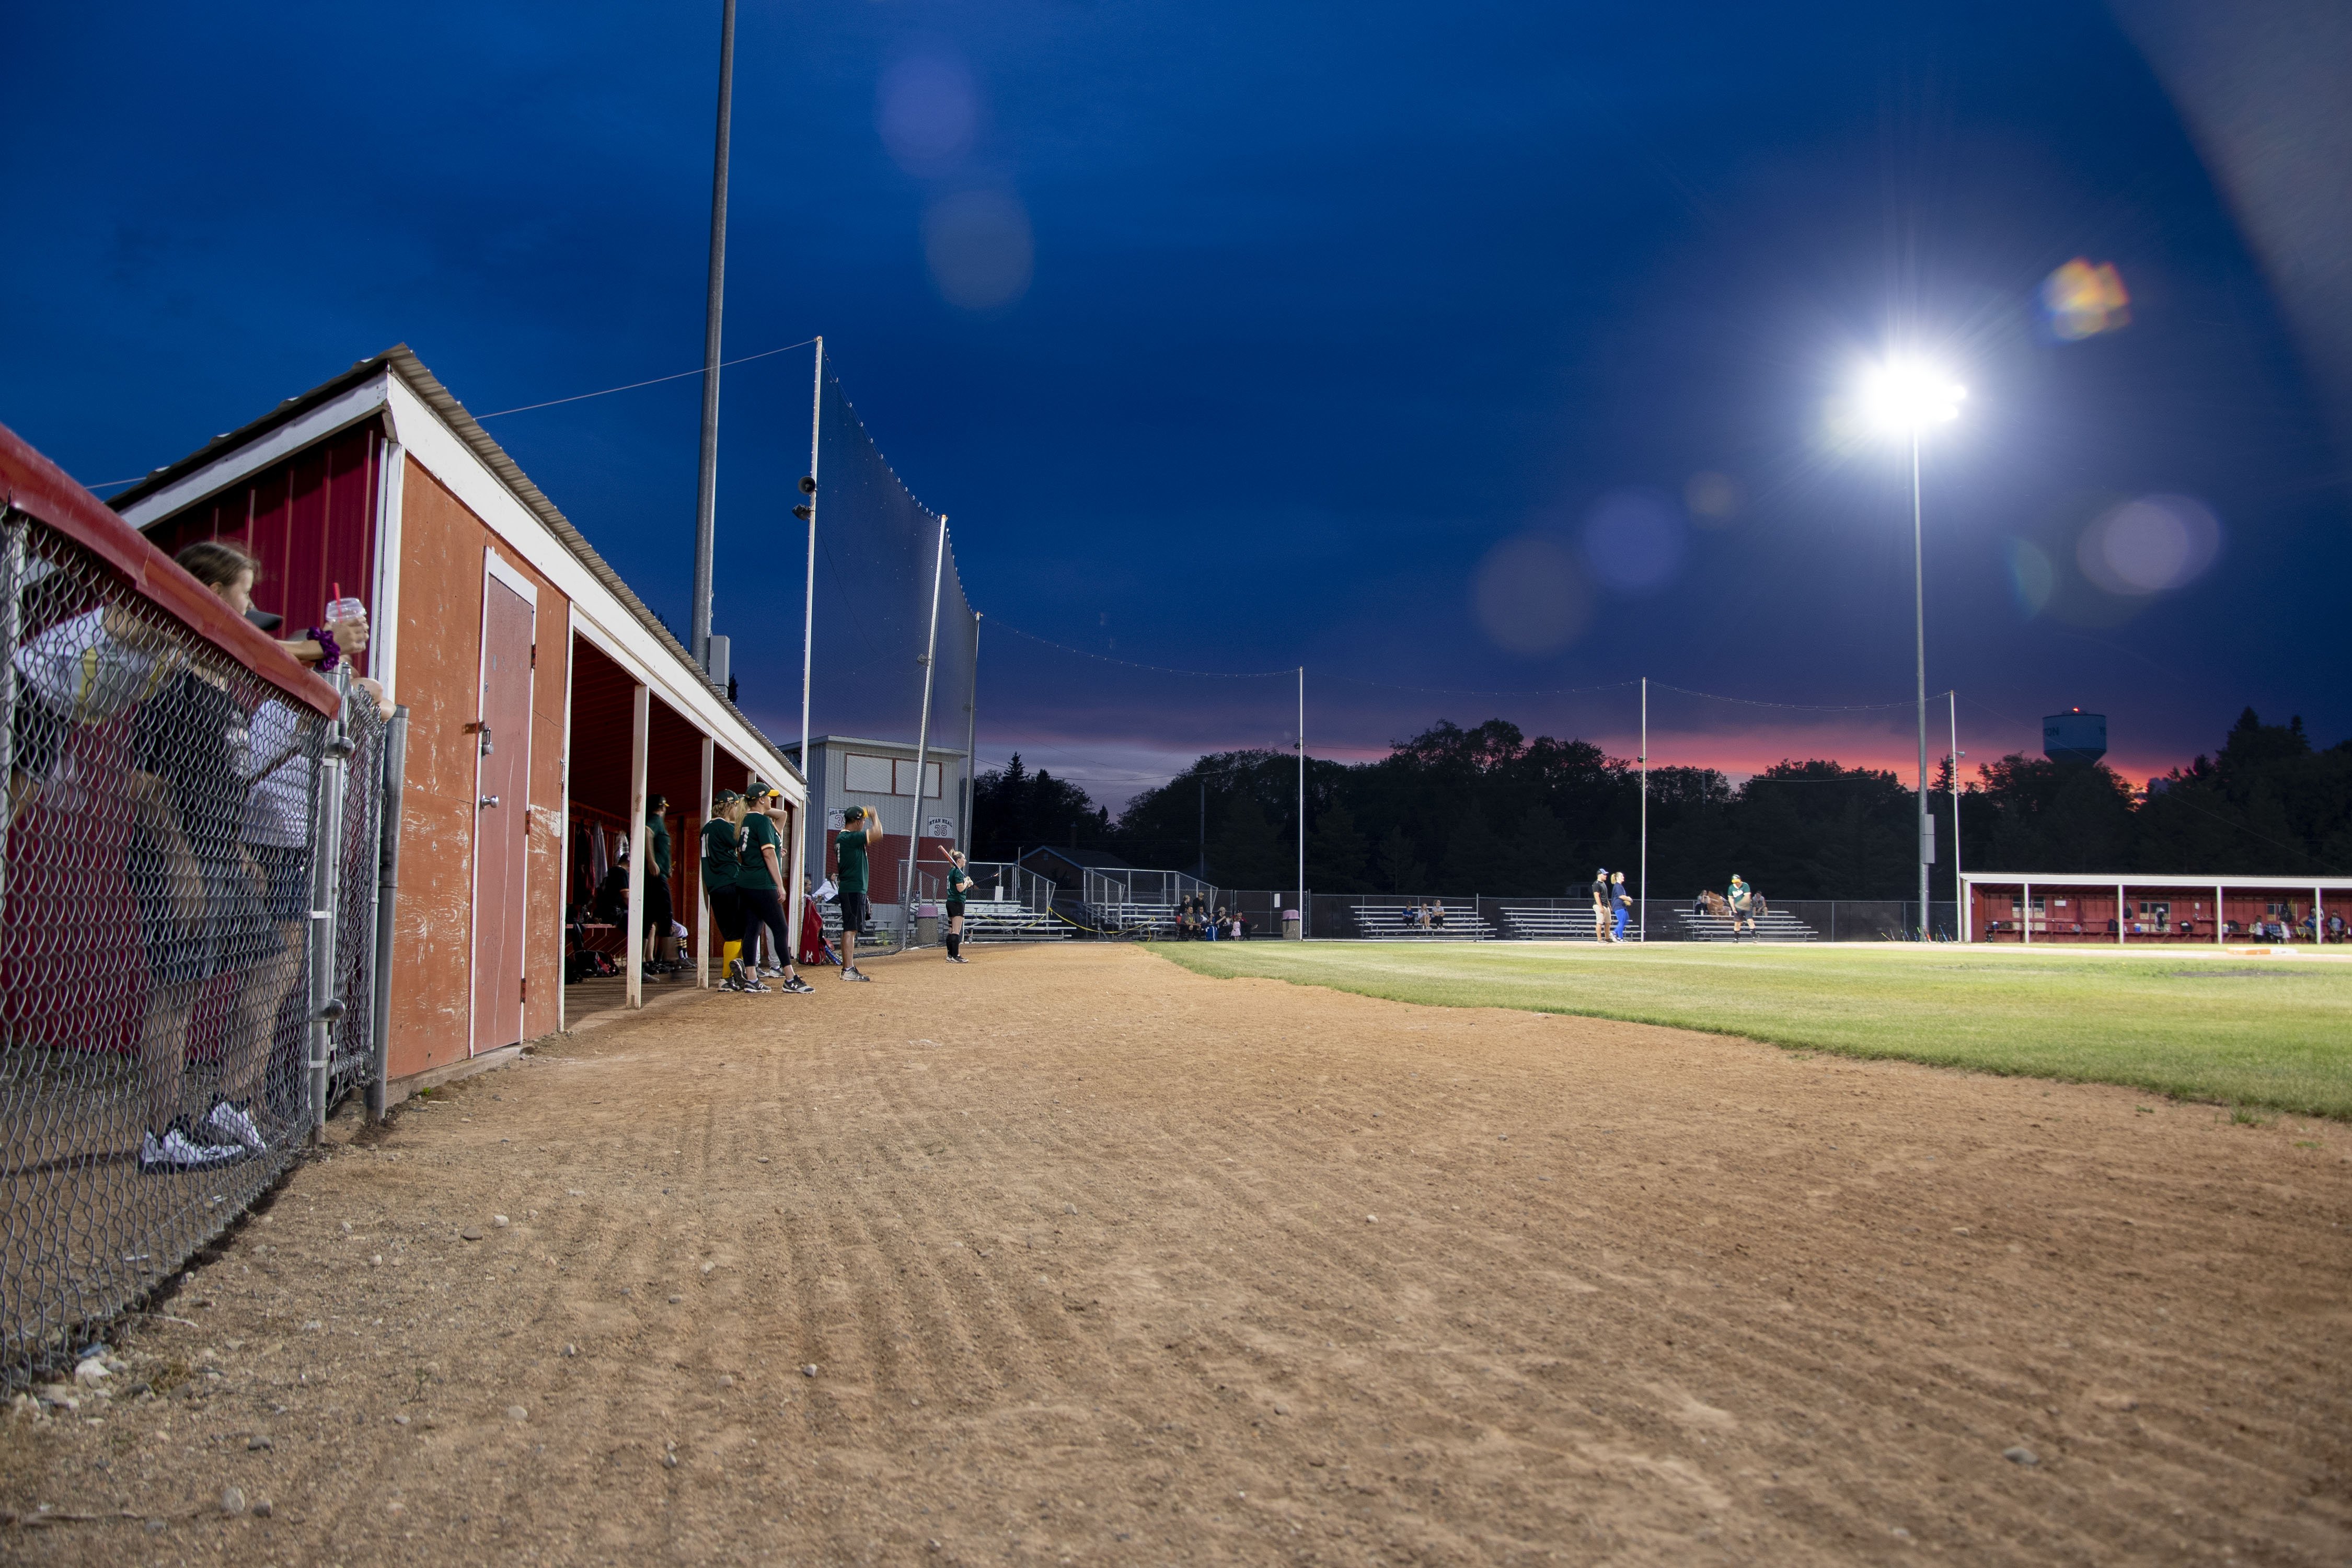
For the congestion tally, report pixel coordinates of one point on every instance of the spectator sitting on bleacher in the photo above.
(1436, 912)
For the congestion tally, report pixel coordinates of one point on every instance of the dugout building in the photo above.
(545, 701)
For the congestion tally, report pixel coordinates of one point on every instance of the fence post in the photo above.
(387, 901)
(326, 890)
(12, 631)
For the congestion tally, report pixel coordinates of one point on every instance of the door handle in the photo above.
(487, 800)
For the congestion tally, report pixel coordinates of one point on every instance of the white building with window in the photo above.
(848, 769)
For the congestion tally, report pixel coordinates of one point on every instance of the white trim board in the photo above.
(335, 414)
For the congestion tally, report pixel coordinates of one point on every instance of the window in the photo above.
(904, 783)
(866, 775)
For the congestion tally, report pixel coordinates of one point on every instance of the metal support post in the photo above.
(387, 909)
(1919, 627)
(922, 745)
(970, 791)
(702, 901)
(633, 961)
(326, 894)
(1302, 801)
(12, 632)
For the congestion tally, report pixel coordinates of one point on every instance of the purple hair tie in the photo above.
(333, 654)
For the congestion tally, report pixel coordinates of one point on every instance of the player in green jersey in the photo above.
(860, 829)
(959, 882)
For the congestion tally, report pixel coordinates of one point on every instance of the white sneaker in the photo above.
(173, 1152)
(226, 1117)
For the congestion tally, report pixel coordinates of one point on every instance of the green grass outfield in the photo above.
(2275, 1033)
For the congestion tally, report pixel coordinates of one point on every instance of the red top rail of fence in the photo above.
(32, 485)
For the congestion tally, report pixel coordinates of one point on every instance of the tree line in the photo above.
(1486, 810)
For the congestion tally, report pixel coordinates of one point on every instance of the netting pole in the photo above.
(1960, 893)
(1302, 800)
(1641, 897)
(922, 744)
(706, 488)
(971, 741)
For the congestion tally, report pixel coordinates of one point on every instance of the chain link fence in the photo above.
(188, 883)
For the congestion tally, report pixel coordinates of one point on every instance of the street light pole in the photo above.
(706, 487)
(1919, 627)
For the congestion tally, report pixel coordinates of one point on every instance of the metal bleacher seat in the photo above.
(1386, 923)
(1535, 924)
(1774, 926)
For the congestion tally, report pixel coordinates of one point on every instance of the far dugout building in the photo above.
(881, 776)
(2073, 908)
(546, 702)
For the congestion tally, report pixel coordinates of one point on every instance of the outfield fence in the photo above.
(189, 897)
(1486, 916)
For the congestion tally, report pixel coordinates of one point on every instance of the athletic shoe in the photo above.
(234, 1120)
(797, 986)
(855, 974)
(175, 1152)
(958, 958)
(754, 984)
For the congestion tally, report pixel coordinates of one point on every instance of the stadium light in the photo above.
(1906, 397)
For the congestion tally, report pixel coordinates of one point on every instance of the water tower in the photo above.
(2074, 736)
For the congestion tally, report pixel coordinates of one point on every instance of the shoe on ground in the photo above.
(756, 986)
(174, 1151)
(958, 958)
(233, 1120)
(798, 986)
(855, 974)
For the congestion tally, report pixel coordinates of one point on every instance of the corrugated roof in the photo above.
(403, 361)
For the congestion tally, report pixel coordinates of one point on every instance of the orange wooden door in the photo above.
(501, 813)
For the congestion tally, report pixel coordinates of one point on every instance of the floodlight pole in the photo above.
(1642, 901)
(970, 790)
(922, 744)
(1959, 890)
(1302, 801)
(1919, 628)
(706, 489)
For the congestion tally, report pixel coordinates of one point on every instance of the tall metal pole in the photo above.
(1302, 800)
(808, 594)
(1641, 894)
(971, 741)
(1960, 892)
(706, 492)
(1920, 625)
(922, 744)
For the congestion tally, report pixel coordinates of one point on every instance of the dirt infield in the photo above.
(1095, 1260)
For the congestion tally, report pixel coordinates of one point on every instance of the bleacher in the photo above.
(1531, 923)
(1386, 922)
(1003, 920)
(1126, 918)
(1773, 926)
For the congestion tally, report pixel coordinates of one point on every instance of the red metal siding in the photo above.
(310, 519)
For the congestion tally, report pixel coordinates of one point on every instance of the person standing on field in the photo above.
(1601, 923)
(760, 878)
(860, 829)
(1620, 901)
(721, 867)
(661, 951)
(958, 884)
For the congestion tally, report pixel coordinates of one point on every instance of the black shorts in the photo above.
(853, 913)
(955, 906)
(657, 909)
(727, 908)
(286, 868)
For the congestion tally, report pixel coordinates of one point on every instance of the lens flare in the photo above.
(1635, 540)
(1529, 596)
(979, 249)
(2082, 299)
(2031, 576)
(1713, 498)
(2149, 545)
(928, 110)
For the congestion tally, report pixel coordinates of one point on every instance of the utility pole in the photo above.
(706, 492)
(1919, 627)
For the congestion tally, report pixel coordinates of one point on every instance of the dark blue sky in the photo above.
(1386, 339)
